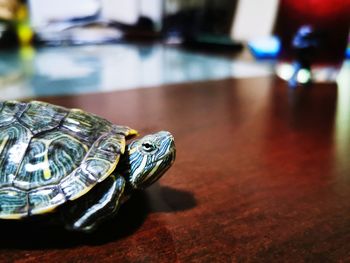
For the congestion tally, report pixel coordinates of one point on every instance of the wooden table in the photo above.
(262, 175)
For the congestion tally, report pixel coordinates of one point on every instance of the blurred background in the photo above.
(69, 47)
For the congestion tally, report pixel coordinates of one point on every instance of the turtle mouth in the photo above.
(171, 156)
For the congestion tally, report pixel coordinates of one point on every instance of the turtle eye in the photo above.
(148, 147)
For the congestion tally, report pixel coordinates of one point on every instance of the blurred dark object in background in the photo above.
(199, 24)
(313, 36)
(305, 42)
(15, 29)
(8, 35)
(194, 23)
(331, 17)
(8, 16)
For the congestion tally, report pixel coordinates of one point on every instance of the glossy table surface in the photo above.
(262, 175)
(47, 71)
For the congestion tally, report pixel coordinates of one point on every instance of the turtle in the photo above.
(74, 163)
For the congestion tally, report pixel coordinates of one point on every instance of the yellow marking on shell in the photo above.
(3, 143)
(132, 132)
(12, 216)
(85, 123)
(123, 144)
(45, 163)
(49, 209)
(47, 172)
(12, 101)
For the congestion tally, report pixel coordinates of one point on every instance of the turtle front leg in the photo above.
(102, 202)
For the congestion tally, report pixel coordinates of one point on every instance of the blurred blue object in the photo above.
(267, 47)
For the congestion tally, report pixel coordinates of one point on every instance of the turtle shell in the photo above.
(50, 154)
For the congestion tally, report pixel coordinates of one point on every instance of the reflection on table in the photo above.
(82, 69)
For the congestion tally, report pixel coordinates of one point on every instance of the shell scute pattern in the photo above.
(59, 156)
(45, 199)
(104, 155)
(112, 143)
(99, 168)
(108, 147)
(14, 203)
(49, 158)
(14, 140)
(49, 117)
(9, 112)
(84, 125)
(77, 184)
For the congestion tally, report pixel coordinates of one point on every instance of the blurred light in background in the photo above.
(254, 19)
(44, 12)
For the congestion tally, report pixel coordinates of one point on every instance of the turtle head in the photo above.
(149, 158)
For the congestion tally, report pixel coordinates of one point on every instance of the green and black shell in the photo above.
(50, 154)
